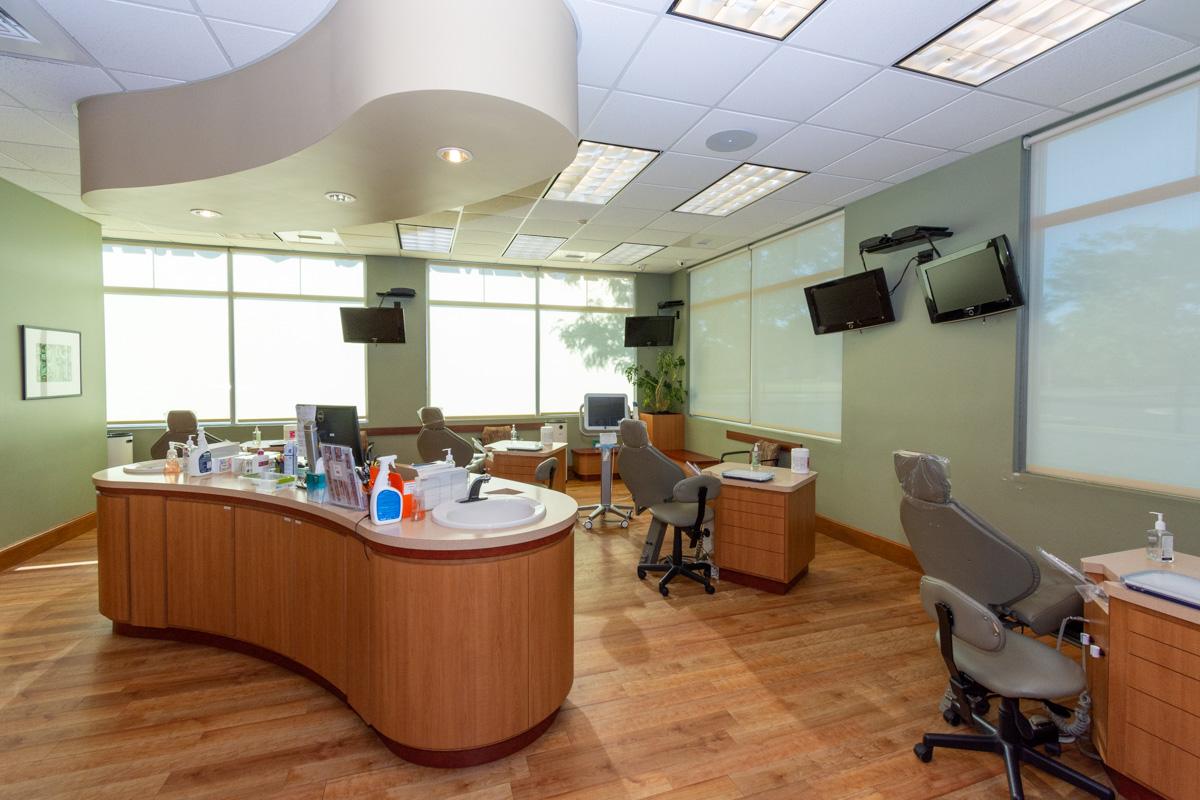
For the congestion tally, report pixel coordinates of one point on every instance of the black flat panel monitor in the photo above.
(849, 303)
(604, 412)
(971, 283)
(339, 425)
(650, 331)
(373, 325)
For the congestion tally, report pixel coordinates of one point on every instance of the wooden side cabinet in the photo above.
(263, 582)
(199, 553)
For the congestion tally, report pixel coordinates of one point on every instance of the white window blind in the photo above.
(719, 339)
(1113, 382)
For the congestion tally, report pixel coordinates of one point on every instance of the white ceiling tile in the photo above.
(810, 213)
(795, 84)
(45, 159)
(859, 194)
(69, 201)
(1091, 61)
(888, 101)
(477, 250)
(175, 5)
(769, 210)
(641, 195)
(928, 166)
(548, 227)
(881, 158)
(590, 100)
(490, 238)
(677, 61)
(811, 148)
(819, 188)
(625, 216)
(686, 171)
(608, 232)
(878, 31)
(1177, 17)
(31, 180)
(495, 224)
(766, 130)
(647, 122)
(564, 211)
(69, 182)
(247, 43)
(141, 39)
(134, 82)
(664, 238)
(966, 119)
(682, 223)
(1013, 131)
(288, 15)
(23, 125)
(733, 226)
(51, 85)
(1166, 69)
(375, 229)
(11, 163)
(645, 5)
(610, 37)
(65, 123)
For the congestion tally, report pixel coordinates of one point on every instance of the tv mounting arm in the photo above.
(905, 238)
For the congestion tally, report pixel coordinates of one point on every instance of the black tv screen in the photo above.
(849, 303)
(975, 282)
(373, 325)
(650, 331)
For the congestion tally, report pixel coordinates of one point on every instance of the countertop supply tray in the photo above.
(748, 475)
(1167, 585)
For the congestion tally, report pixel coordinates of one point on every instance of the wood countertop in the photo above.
(561, 510)
(1113, 565)
(784, 481)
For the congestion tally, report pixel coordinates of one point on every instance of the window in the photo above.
(168, 313)
(1113, 376)
(754, 356)
(552, 336)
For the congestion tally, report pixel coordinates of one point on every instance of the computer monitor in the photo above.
(339, 425)
(604, 412)
(373, 325)
(650, 331)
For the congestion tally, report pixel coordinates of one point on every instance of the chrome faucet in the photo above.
(476, 485)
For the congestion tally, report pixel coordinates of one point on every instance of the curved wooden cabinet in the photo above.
(454, 657)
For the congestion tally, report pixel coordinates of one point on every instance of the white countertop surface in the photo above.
(561, 509)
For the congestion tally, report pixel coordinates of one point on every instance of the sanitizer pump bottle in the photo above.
(754, 462)
(199, 458)
(1158, 540)
(387, 504)
(513, 433)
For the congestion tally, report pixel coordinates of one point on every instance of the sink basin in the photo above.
(489, 514)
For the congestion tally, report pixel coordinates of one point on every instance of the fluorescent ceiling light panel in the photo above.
(11, 29)
(534, 248)
(422, 237)
(598, 172)
(738, 189)
(628, 253)
(1007, 33)
(773, 18)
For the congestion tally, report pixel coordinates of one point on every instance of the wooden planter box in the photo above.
(665, 430)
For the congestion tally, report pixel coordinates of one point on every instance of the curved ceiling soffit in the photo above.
(359, 104)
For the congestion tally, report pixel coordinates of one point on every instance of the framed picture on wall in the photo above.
(50, 363)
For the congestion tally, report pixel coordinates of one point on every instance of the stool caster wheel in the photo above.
(624, 523)
(951, 716)
(641, 574)
(709, 590)
(923, 752)
(1053, 749)
(663, 591)
(587, 523)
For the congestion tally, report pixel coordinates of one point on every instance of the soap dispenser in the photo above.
(172, 465)
(199, 457)
(1160, 543)
(754, 462)
(449, 460)
(387, 504)
(513, 433)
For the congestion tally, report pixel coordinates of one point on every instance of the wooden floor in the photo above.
(818, 694)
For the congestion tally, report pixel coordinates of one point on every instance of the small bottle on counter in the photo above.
(513, 433)
(257, 437)
(172, 465)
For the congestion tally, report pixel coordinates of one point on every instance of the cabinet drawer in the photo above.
(1164, 655)
(1166, 769)
(1167, 685)
(750, 560)
(775, 525)
(1164, 721)
(754, 496)
(1181, 636)
(748, 537)
(749, 507)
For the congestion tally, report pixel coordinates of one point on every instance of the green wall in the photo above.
(50, 271)
(951, 389)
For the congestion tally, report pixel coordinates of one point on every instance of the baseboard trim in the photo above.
(21, 551)
(895, 552)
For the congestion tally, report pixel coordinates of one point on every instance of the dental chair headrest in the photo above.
(923, 476)
(633, 433)
(432, 418)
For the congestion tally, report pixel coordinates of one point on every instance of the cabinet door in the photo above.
(112, 553)
(262, 545)
(200, 566)
(320, 606)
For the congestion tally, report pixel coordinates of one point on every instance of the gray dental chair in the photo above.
(956, 545)
(435, 437)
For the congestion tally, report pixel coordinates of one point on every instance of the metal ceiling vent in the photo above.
(11, 29)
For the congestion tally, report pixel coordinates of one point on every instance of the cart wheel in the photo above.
(951, 716)
(1053, 749)
(641, 574)
(709, 589)
(924, 752)
(587, 523)
(624, 523)
(663, 590)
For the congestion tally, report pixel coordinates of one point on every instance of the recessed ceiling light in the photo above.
(598, 172)
(772, 18)
(1005, 34)
(11, 29)
(207, 213)
(423, 237)
(340, 197)
(738, 189)
(729, 141)
(628, 253)
(455, 155)
(535, 248)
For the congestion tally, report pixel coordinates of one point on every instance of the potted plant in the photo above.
(660, 390)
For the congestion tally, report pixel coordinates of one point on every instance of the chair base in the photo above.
(602, 510)
(688, 569)
(1006, 741)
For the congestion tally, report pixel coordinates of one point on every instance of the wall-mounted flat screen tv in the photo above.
(847, 304)
(650, 331)
(975, 282)
(373, 325)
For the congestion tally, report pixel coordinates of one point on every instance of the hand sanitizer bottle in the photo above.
(513, 434)
(199, 458)
(1154, 540)
(172, 465)
(754, 462)
(257, 437)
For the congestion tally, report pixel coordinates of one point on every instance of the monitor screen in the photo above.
(855, 301)
(373, 325)
(339, 425)
(975, 282)
(650, 331)
(604, 412)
